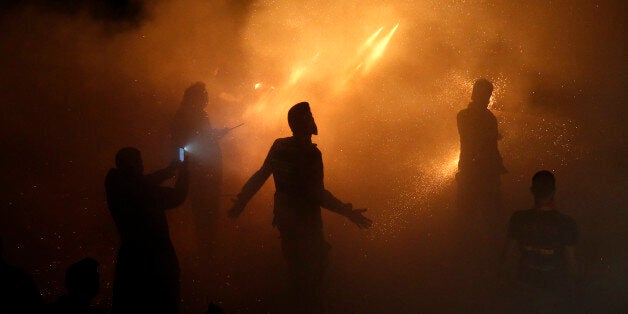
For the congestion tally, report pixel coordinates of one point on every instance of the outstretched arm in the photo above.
(252, 185)
(159, 176)
(332, 203)
(248, 190)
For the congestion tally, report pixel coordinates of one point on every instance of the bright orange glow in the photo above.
(450, 166)
(330, 64)
(379, 49)
(296, 74)
(369, 41)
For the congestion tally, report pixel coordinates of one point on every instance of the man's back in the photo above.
(542, 236)
(297, 168)
(478, 141)
(135, 208)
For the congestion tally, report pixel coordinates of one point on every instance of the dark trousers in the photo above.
(146, 281)
(306, 253)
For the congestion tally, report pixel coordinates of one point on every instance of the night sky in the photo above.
(81, 79)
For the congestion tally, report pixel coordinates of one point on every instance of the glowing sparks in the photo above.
(323, 66)
(379, 49)
(369, 41)
(441, 170)
(436, 174)
(296, 74)
(449, 168)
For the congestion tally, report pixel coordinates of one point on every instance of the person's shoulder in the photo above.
(463, 113)
(523, 212)
(114, 179)
(520, 214)
(282, 142)
(112, 174)
(566, 219)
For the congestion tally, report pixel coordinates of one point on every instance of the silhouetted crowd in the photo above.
(538, 261)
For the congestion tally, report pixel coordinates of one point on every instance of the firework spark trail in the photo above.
(378, 50)
(274, 101)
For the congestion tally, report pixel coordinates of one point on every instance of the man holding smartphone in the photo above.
(147, 268)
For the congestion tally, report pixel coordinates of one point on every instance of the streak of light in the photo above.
(379, 49)
(296, 74)
(314, 68)
(369, 41)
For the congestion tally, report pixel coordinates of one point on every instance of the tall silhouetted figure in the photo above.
(193, 130)
(82, 282)
(18, 292)
(147, 269)
(297, 168)
(541, 251)
(480, 165)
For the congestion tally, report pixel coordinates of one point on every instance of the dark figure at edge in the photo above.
(82, 282)
(147, 270)
(18, 292)
(539, 257)
(480, 165)
(297, 168)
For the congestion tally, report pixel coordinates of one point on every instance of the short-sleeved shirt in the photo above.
(542, 236)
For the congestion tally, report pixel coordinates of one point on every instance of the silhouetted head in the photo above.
(543, 185)
(301, 120)
(482, 91)
(214, 308)
(195, 96)
(82, 279)
(129, 161)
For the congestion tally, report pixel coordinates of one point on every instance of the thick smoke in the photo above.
(81, 81)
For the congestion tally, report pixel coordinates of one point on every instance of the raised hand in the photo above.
(236, 209)
(357, 217)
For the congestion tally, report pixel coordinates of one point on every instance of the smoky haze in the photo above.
(384, 80)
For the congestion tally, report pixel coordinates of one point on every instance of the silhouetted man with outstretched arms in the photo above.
(480, 165)
(297, 168)
(540, 252)
(147, 269)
